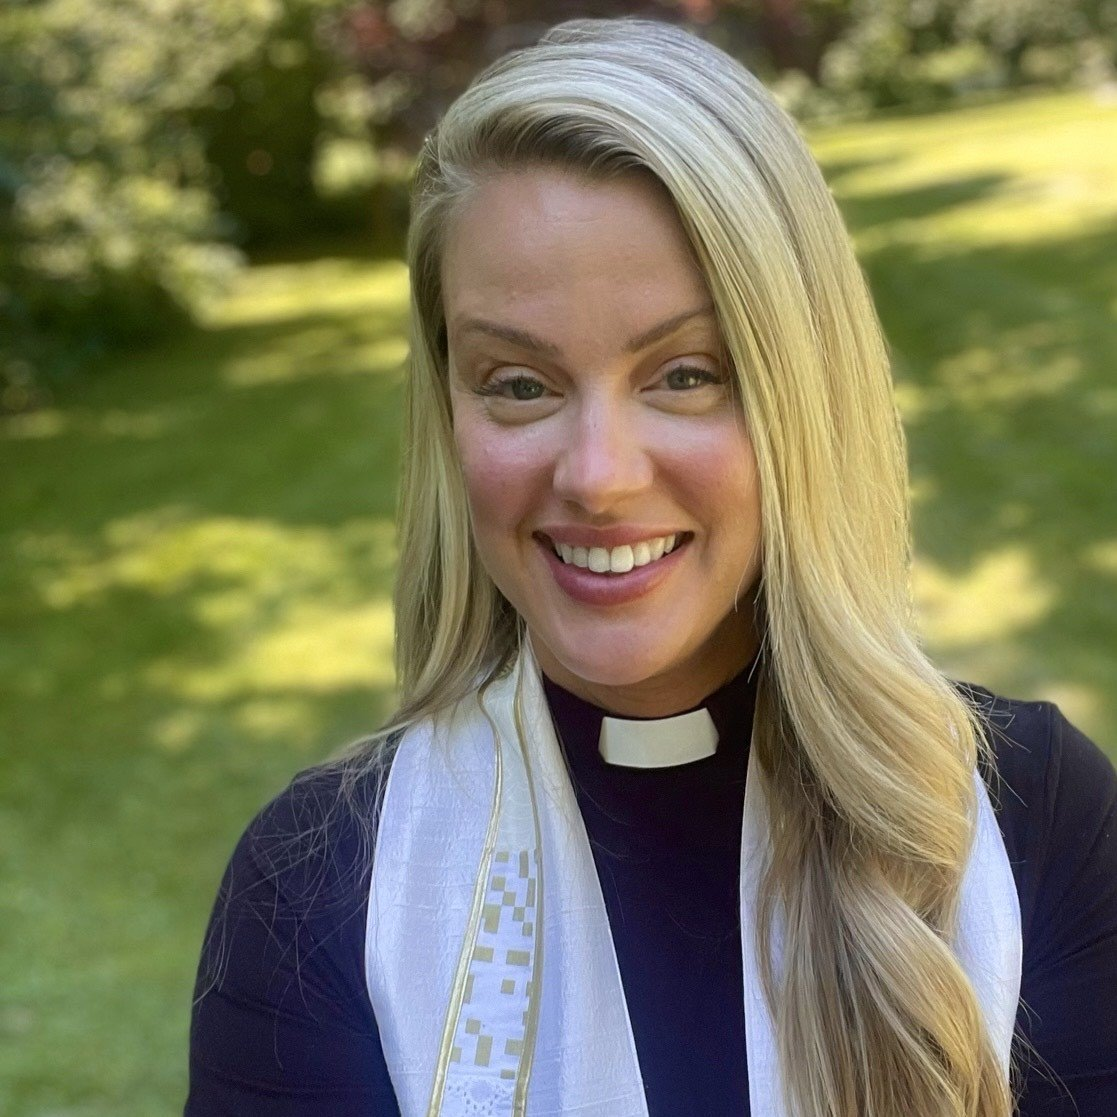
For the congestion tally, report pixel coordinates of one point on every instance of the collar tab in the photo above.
(658, 742)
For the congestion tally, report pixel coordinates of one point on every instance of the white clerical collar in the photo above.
(658, 742)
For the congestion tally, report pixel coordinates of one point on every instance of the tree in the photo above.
(110, 231)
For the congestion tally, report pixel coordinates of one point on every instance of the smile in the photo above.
(607, 577)
(617, 560)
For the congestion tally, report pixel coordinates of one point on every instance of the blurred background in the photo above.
(202, 311)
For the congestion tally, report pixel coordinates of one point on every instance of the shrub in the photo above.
(110, 231)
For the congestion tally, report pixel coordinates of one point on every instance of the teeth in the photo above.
(618, 560)
(621, 560)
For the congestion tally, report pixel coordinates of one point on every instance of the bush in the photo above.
(261, 126)
(917, 52)
(110, 232)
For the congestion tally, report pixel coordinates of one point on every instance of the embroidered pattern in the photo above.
(491, 1029)
(481, 1097)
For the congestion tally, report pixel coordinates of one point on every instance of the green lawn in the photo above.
(990, 238)
(197, 553)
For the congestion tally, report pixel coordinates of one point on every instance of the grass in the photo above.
(990, 238)
(194, 604)
(197, 554)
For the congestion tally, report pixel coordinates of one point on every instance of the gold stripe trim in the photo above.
(457, 992)
(535, 995)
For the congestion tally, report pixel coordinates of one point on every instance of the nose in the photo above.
(604, 458)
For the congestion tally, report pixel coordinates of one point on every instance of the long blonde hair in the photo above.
(867, 752)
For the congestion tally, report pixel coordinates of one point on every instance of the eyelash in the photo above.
(496, 387)
(703, 375)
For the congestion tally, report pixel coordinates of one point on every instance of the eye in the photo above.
(686, 377)
(516, 387)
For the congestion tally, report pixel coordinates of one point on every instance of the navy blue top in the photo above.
(282, 1023)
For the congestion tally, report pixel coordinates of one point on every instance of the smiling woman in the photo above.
(675, 816)
(596, 423)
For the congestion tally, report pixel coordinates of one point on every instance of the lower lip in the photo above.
(610, 589)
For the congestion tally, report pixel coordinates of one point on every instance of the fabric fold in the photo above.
(489, 959)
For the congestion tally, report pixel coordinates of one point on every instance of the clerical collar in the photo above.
(632, 744)
(658, 742)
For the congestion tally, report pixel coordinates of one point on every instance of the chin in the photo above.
(607, 667)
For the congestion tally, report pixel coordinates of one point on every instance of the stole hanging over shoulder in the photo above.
(489, 959)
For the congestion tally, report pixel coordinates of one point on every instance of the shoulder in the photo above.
(1055, 794)
(1044, 767)
(281, 1014)
(300, 872)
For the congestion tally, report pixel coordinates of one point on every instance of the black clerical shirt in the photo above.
(283, 1026)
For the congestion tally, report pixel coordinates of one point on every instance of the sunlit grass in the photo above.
(1027, 171)
(194, 604)
(198, 550)
(990, 237)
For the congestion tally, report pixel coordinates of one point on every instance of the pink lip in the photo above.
(610, 589)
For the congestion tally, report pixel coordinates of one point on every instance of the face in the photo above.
(611, 480)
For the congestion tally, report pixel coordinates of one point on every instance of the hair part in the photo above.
(866, 751)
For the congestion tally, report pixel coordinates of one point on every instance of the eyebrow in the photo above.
(527, 340)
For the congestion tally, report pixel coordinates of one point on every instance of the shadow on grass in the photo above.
(1005, 358)
(195, 568)
(866, 210)
(247, 460)
(244, 420)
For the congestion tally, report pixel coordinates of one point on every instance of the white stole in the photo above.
(488, 955)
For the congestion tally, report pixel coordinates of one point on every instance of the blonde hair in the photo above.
(867, 752)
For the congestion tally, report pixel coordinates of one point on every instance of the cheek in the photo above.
(722, 492)
(718, 470)
(503, 472)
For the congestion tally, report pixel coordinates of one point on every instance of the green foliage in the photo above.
(139, 142)
(912, 52)
(110, 231)
(144, 142)
(269, 123)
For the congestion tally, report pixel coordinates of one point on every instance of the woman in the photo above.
(675, 816)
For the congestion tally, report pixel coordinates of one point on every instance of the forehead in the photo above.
(572, 253)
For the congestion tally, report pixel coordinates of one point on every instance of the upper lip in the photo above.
(609, 537)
